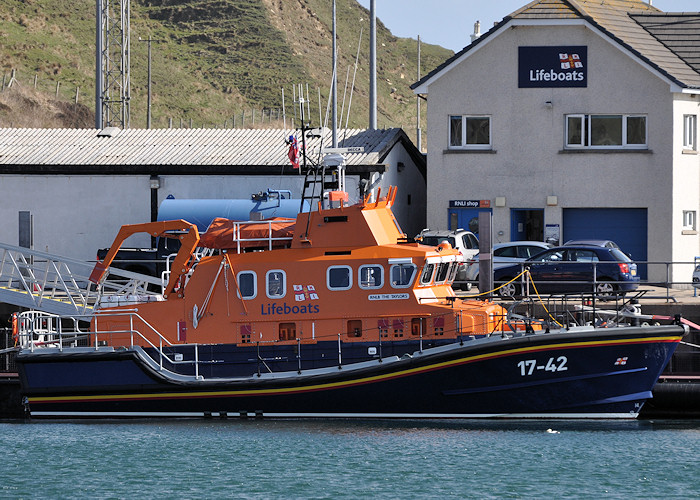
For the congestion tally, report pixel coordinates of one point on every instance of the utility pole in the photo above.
(334, 88)
(148, 111)
(372, 65)
(418, 131)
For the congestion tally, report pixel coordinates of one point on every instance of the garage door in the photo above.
(625, 226)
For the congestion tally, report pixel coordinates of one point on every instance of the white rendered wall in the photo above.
(528, 163)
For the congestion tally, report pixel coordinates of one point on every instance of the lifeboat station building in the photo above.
(569, 120)
(68, 191)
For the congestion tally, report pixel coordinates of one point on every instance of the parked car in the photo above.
(507, 253)
(696, 277)
(465, 241)
(572, 269)
(595, 243)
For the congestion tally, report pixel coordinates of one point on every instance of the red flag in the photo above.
(293, 152)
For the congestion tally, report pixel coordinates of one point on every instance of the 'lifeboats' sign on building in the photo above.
(552, 66)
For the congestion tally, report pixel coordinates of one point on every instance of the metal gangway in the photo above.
(60, 285)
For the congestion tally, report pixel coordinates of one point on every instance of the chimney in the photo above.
(477, 31)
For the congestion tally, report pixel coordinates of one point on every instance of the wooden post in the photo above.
(58, 86)
(77, 94)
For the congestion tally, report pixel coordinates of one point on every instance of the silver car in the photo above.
(505, 254)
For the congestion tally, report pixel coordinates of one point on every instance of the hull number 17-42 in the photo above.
(529, 366)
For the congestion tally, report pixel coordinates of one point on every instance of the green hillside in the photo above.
(213, 60)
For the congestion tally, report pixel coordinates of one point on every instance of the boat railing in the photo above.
(268, 239)
(37, 329)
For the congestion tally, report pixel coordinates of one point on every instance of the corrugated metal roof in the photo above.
(241, 147)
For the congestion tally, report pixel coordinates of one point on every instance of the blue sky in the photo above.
(450, 22)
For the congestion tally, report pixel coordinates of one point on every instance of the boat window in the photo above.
(276, 284)
(354, 328)
(339, 277)
(288, 331)
(398, 328)
(246, 332)
(418, 327)
(402, 275)
(427, 275)
(441, 273)
(371, 276)
(247, 284)
(453, 272)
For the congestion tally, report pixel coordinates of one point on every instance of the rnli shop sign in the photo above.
(552, 66)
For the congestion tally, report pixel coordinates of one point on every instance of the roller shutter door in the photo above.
(625, 226)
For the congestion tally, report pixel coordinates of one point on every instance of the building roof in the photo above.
(668, 43)
(244, 151)
(679, 32)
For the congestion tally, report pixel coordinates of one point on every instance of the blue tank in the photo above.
(263, 205)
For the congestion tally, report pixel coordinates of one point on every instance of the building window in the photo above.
(470, 132)
(371, 276)
(275, 281)
(606, 131)
(339, 277)
(690, 132)
(689, 220)
(247, 284)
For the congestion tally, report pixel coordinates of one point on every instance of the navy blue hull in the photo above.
(601, 373)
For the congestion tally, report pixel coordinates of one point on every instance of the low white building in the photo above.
(573, 119)
(68, 191)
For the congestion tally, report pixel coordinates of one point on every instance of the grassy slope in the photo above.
(214, 58)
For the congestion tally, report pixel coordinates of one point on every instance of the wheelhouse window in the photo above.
(690, 132)
(339, 277)
(606, 131)
(275, 281)
(470, 132)
(247, 284)
(442, 272)
(402, 275)
(427, 275)
(371, 276)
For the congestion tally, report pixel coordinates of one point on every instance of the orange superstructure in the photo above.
(349, 274)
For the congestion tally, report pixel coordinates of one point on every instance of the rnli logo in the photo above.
(305, 292)
(621, 361)
(570, 61)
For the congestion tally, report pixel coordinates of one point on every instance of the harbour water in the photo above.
(350, 459)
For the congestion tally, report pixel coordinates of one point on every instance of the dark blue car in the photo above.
(573, 269)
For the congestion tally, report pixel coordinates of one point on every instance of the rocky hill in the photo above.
(212, 61)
